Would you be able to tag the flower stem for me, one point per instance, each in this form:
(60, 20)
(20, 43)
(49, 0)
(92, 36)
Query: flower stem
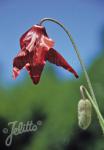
(92, 97)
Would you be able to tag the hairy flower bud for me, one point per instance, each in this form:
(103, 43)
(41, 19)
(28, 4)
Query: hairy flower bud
(84, 113)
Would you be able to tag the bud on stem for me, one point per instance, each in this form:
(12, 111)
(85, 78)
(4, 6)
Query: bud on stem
(84, 113)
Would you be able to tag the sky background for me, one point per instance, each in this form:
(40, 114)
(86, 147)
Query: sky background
(83, 18)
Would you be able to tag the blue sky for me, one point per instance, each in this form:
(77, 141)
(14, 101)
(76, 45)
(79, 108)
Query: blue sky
(83, 18)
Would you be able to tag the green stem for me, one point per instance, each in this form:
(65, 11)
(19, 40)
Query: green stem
(81, 63)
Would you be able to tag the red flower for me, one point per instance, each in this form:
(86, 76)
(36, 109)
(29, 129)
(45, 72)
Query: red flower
(36, 49)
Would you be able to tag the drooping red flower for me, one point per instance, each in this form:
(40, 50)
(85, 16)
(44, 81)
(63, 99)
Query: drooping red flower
(36, 49)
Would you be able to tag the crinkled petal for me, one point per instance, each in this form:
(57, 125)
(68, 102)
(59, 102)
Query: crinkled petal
(34, 35)
(22, 41)
(46, 42)
(54, 57)
(20, 61)
(16, 72)
(35, 72)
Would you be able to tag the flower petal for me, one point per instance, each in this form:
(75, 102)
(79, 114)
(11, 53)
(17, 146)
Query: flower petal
(22, 44)
(54, 57)
(30, 37)
(35, 72)
(46, 42)
(20, 61)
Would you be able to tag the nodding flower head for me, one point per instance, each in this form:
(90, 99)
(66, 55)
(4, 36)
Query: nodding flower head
(36, 49)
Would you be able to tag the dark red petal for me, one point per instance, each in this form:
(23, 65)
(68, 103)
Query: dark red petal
(35, 72)
(20, 61)
(54, 57)
(30, 37)
(22, 38)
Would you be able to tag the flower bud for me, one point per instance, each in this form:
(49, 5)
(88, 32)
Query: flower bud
(84, 113)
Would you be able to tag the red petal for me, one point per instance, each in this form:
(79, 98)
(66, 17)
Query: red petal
(54, 57)
(35, 72)
(22, 38)
(30, 38)
(20, 61)
(16, 72)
